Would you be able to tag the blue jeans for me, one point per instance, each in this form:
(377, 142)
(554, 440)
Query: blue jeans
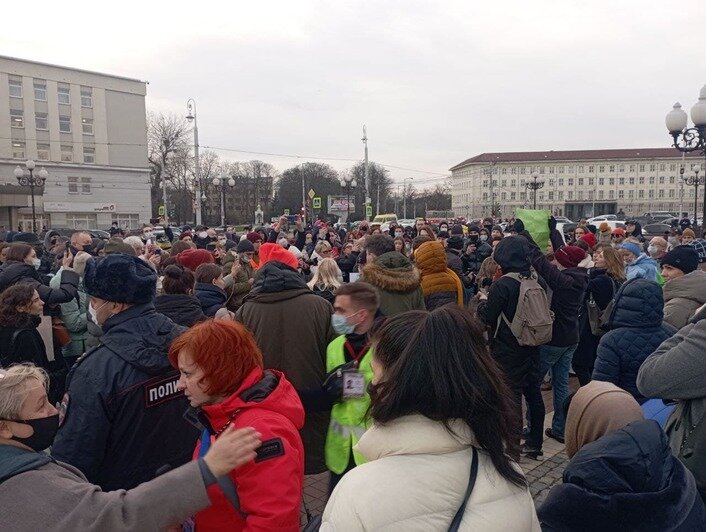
(558, 360)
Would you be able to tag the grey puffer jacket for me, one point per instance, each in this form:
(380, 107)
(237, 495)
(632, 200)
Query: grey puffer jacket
(683, 297)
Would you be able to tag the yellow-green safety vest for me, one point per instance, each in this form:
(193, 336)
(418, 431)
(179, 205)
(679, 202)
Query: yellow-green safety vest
(347, 417)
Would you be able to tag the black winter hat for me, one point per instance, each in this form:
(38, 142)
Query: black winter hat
(455, 242)
(518, 226)
(245, 246)
(121, 278)
(457, 229)
(26, 238)
(230, 244)
(684, 258)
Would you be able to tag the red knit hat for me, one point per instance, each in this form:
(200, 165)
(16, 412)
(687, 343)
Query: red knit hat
(569, 256)
(270, 252)
(254, 237)
(590, 239)
(193, 258)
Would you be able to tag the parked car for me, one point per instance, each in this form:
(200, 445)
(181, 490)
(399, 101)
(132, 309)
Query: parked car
(602, 218)
(67, 232)
(563, 220)
(656, 229)
(659, 215)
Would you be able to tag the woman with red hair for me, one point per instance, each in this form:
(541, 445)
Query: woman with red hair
(222, 376)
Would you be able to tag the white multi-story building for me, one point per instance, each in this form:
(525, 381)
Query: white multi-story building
(576, 184)
(89, 132)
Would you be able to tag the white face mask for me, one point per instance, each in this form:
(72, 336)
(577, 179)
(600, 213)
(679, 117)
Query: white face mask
(93, 312)
(652, 250)
(203, 234)
(148, 236)
(36, 263)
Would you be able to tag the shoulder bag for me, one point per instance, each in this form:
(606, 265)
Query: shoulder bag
(456, 523)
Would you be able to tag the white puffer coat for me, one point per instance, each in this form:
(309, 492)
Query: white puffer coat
(415, 481)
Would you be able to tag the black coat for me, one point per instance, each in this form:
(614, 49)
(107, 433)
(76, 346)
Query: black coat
(124, 415)
(347, 264)
(628, 480)
(182, 309)
(211, 297)
(13, 272)
(472, 261)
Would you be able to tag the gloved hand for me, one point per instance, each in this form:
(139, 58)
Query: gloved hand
(519, 226)
(333, 384)
(552, 223)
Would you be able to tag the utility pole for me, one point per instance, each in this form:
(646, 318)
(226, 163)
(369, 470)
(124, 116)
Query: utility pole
(191, 116)
(301, 169)
(377, 206)
(164, 200)
(367, 173)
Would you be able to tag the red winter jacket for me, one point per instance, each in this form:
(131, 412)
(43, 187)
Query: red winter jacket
(270, 488)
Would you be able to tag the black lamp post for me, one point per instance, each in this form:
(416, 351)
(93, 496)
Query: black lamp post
(690, 139)
(348, 182)
(220, 183)
(29, 179)
(535, 186)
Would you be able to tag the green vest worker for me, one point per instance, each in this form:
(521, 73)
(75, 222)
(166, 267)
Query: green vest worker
(348, 360)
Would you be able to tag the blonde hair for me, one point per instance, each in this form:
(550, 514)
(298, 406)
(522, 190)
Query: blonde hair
(487, 270)
(327, 276)
(615, 267)
(321, 246)
(14, 389)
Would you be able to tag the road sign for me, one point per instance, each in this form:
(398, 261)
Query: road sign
(369, 211)
(317, 203)
(161, 210)
(311, 193)
(286, 212)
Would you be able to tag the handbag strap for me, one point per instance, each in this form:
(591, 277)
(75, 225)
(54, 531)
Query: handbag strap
(471, 482)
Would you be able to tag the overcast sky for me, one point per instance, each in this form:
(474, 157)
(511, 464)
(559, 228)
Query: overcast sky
(435, 82)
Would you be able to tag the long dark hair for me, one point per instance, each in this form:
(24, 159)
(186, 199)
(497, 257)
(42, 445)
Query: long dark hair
(17, 295)
(437, 364)
(177, 280)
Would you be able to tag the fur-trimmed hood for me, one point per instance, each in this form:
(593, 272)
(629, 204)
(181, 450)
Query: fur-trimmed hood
(392, 272)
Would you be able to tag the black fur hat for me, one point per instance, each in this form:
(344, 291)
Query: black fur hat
(121, 278)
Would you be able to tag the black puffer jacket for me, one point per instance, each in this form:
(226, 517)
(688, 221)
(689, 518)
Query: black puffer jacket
(212, 298)
(472, 261)
(628, 480)
(13, 272)
(182, 309)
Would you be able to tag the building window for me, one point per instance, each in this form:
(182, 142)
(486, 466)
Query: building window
(86, 97)
(653, 167)
(641, 180)
(503, 183)
(611, 181)
(64, 124)
(611, 168)
(551, 182)
(662, 167)
(73, 185)
(17, 118)
(671, 193)
(64, 94)
(621, 181)
(513, 183)
(621, 194)
(580, 194)
(661, 180)
(601, 181)
(551, 195)
(560, 170)
(631, 194)
(632, 181)
(67, 154)
(671, 180)
(541, 169)
(570, 195)
(601, 168)
(561, 181)
(580, 181)
(81, 221)
(551, 169)
(18, 149)
(673, 167)
(652, 180)
(85, 185)
(43, 152)
(41, 121)
(590, 181)
(512, 195)
(130, 221)
(89, 155)
(40, 90)
(522, 170)
(571, 181)
(621, 168)
(561, 194)
(87, 126)
(485, 196)
(642, 168)
(661, 193)
(600, 194)
(632, 167)
(503, 196)
(513, 170)
(640, 193)
(590, 169)
(650, 193)
(611, 194)
(485, 183)
(15, 86)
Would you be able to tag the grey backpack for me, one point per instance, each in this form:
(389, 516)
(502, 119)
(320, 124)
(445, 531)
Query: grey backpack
(533, 321)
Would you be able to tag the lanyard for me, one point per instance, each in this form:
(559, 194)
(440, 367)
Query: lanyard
(356, 356)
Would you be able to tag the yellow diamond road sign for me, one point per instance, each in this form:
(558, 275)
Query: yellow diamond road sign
(311, 193)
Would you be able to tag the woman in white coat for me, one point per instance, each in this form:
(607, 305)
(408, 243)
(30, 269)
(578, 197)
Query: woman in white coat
(436, 395)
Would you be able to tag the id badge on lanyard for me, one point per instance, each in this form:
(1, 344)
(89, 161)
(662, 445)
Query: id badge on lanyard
(353, 385)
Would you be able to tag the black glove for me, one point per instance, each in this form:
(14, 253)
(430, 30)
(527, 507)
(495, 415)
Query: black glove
(552, 224)
(333, 384)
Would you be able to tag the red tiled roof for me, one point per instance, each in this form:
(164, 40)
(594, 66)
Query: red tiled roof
(575, 155)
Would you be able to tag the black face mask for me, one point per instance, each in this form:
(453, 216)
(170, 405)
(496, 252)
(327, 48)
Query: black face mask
(473, 238)
(45, 429)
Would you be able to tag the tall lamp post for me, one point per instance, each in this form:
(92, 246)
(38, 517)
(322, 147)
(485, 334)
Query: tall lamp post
(29, 179)
(404, 191)
(695, 181)
(191, 117)
(348, 182)
(220, 183)
(690, 139)
(535, 186)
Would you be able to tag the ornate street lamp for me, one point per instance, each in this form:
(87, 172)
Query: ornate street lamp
(695, 181)
(534, 185)
(29, 179)
(220, 183)
(348, 182)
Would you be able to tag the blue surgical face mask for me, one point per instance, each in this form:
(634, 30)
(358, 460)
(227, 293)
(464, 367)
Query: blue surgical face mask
(340, 324)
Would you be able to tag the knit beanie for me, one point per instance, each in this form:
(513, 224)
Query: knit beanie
(569, 256)
(275, 252)
(700, 246)
(632, 248)
(456, 229)
(455, 242)
(254, 237)
(604, 227)
(193, 258)
(684, 258)
(619, 231)
(116, 245)
(590, 239)
(244, 246)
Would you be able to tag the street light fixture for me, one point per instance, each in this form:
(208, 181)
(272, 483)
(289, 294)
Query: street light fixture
(191, 117)
(404, 191)
(220, 184)
(31, 181)
(695, 181)
(690, 139)
(348, 182)
(535, 186)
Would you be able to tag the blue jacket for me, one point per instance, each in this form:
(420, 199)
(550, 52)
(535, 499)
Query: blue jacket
(628, 480)
(643, 267)
(211, 297)
(122, 416)
(637, 329)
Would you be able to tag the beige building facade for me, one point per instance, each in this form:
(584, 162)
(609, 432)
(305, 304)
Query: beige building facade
(576, 184)
(88, 130)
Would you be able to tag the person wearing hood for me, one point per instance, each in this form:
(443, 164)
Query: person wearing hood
(633, 229)
(604, 234)
(454, 251)
(622, 475)
(122, 416)
(242, 271)
(636, 330)
(222, 376)
(637, 264)
(295, 345)
(520, 364)
(497, 232)
(687, 236)
(440, 284)
(40, 493)
(685, 286)
(177, 300)
(393, 276)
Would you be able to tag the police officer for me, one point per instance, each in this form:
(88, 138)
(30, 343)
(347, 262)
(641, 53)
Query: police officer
(348, 359)
(122, 415)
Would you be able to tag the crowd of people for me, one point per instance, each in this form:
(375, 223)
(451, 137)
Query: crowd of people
(193, 385)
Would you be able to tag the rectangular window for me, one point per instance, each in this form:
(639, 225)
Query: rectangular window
(590, 169)
(650, 193)
(571, 181)
(64, 94)
(485, 183)
(551, 182)
(551, 194)
(73, 185)
(611, 181)
(503, 183)
(632, 181)
(512, 195)
(541, 169)
(18, 149)
(513, 183)
(590, 181)
(87, 126)
(40, 90)
(621, 194)
(631, 194)
(85, 185)
(560, 170)
(89, 155)
(580, 194)
(64, 124)
(621, 168)
(561, 181)
(661, 180)
(632, 167)
(17, 118)
(611, 168)
(611, 194)
(652, 180)
(600, 194)
(601, 181)
(671, 180)
(642, 168)
(580, 169)
(621, 181)
(661, 193)
(522, 170)
(86, 97)
(570, 195)
(662, 167)
(653, 167)
(128, 221)
(503, 196)
(671, 193)
(81, 221)
(67, 154)
(513, 170)
(551, 169)
(580, 181)
(41, 121)
(43, 152)
(15, 86)
(561, 194)
(673, 167)
(601, 168)
(641, 180)
(640, 193)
